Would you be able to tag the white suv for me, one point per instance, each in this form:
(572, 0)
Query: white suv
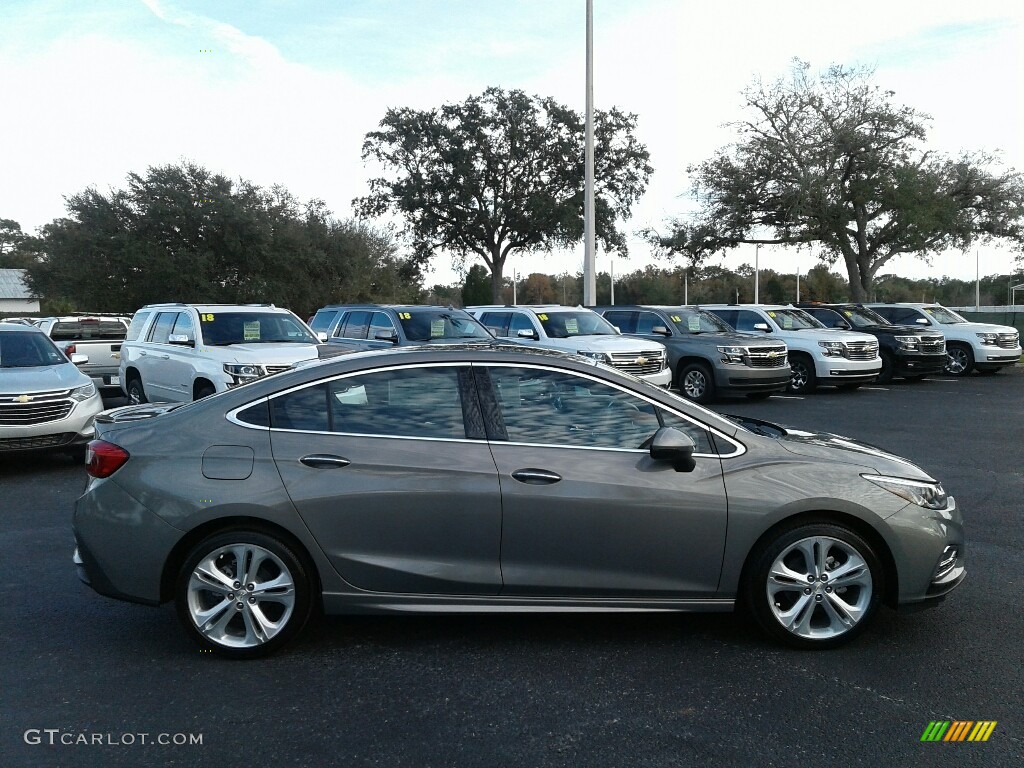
(182, 352)
(577, 331)
(969, 346)
(817, 355)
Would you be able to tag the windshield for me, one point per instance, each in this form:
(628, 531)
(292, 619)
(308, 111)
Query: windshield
(696, 321)
(562, 325)
(31, 349)
(861, 317)
(427, 325)
(793, 319)
(943, 315)
(222, 328)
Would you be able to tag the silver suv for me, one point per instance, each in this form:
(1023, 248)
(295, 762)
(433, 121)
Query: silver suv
(183, 352)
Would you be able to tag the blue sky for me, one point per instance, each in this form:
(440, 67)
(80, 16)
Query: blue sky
(95, 90)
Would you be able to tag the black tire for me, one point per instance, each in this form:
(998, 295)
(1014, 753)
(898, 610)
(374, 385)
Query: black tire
(885, 375)
(235, 630)
(697, 383)
(814, 623)
(205, 390)
(802, 380)
(959, 359)
(136, 393)
(759, 395)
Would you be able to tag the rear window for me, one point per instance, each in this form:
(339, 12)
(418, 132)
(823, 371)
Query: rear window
(89, 330)
(138, 322)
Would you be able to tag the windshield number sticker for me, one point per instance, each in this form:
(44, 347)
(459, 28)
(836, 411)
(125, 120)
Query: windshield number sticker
(542, 316)
(206, 318)
(848, 313)
(251, 331)
(405, 315)
(771, 315)
(676, 318)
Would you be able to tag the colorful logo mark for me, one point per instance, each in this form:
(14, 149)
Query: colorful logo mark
(958, 730)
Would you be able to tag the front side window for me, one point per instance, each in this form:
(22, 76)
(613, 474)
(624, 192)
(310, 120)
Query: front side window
(162, 327)
(563, 325)
(746, 320)
(183, 326)
(28, 350)
(624, 321)
(239, 327)
(496, 322)
(520, 322)
(943, 315)
(411, 402)
(380, 324)
(323, 320)
(546, 407)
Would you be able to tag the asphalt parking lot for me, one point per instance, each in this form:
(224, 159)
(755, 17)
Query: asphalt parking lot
(600, 690)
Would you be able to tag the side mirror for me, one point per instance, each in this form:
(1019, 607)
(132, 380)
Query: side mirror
(669, 444)
(842, 325)
(385, 336)
(923, 321)
(762, 327)
(181, 340)
(525, 334)
(661, 330)
(321, 337)
(79, 359)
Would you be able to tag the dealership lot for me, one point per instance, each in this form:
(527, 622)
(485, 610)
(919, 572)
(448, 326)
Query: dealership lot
(541, 690)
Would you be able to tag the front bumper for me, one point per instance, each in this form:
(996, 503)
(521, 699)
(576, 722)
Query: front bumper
(997, 356)
(928, 547)
(739, 378)
(661, 379)
(74, 429)
(909, 364)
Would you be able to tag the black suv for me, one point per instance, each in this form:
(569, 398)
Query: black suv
(907, 351)
(706, 356)
(379, 326)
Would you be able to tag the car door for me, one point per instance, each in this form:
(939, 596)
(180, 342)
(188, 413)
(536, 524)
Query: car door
(586, 511)
(154, 360)
(179, 367)
(399, 494)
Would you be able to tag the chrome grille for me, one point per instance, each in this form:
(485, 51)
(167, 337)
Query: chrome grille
(37, 408)
(860, 350)
(1008, 340)
(765, 357)
(643, 363)
(933, 345)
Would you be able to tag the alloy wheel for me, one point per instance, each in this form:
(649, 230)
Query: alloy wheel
(695, 384)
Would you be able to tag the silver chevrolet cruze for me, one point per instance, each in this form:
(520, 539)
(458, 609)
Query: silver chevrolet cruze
(493, 478)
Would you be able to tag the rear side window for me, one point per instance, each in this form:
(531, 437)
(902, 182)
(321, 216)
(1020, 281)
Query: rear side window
(137, 324)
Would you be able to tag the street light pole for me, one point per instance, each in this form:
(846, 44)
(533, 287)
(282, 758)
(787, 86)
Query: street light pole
(589, 267)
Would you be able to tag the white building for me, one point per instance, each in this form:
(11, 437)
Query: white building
(15, 296)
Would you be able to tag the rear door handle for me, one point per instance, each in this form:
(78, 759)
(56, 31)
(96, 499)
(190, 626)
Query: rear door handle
(324, 461)
(164, 357)
(532, 476)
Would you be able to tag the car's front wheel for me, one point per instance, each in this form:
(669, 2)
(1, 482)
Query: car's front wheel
(136, 394)
(814, 585)
(802, 379)
(243, 593)
(959, 359)
(697, 383)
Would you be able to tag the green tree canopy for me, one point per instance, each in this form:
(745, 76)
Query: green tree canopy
(476, 289)
(502, 173)
(181, 233)
(833, 160)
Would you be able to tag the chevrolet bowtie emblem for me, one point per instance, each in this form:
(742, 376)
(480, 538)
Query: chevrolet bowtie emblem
(22, 398)
(640, 360)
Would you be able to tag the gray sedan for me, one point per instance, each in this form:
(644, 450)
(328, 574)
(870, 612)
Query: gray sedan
(497, 478)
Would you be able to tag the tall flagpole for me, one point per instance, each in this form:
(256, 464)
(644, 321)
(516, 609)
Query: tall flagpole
(589, 267)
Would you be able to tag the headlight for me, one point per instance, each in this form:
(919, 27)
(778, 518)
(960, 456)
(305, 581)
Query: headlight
(832, 348)
(920, 492)
(989, 338)
(733, 355)
(83, 393)
(909, 343)
(242, 374)
(601, 357)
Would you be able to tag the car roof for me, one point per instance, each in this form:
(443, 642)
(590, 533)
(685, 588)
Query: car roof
(532, 307)
(20, 327)
(218, 307)
(396, 307)
(745, 306)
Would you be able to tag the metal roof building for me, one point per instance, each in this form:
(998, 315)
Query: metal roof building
(15, 295)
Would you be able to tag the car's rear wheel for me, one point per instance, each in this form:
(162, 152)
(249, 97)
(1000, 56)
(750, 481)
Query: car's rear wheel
(802, 379)
(243, 593)
(697, 383)
(814, 585)
(136, 394)
(959, 359)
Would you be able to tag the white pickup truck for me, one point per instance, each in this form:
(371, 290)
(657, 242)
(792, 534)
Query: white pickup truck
(98, 336)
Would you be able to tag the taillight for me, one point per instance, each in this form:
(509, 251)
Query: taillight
(102, 459)
(70, 349)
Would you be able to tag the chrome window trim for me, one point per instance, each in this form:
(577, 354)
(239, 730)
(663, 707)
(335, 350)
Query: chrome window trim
(232, 415)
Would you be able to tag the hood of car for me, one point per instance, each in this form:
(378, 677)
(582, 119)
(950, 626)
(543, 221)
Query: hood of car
(609, 344)
(737, 339)
(825, 334)
(825, 445)
(978, 327)
(20, 381)
(269, 352)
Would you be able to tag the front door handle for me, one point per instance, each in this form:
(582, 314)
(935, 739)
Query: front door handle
(324, 461)
(532, 476)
